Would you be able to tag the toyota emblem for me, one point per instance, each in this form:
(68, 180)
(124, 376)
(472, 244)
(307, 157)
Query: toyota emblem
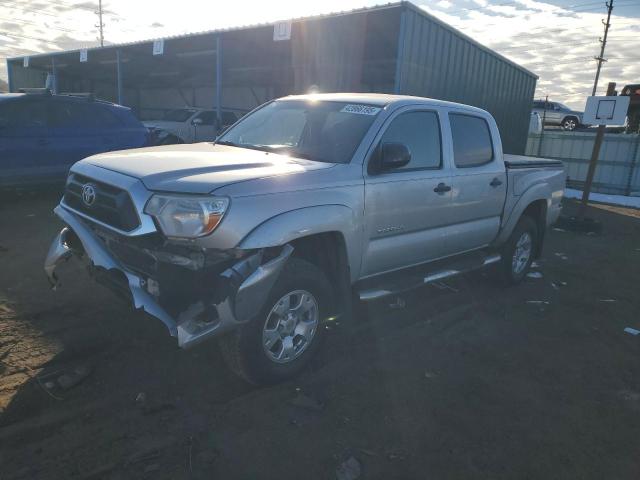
(88, 194)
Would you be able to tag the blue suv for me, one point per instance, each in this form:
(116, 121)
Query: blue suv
(42, 135)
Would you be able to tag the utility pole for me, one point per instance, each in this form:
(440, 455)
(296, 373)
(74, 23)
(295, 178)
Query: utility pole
(603, 42)
(611, 91)
(544, 119)
(600, 134)
(101, 25)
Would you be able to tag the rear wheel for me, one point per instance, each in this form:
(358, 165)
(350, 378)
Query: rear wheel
(570, 124)
(517, 254)
(281, 340)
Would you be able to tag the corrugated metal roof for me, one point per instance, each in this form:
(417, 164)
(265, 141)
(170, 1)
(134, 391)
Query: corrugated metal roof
(405, 4)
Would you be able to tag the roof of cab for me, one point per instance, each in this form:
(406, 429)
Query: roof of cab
(379, 99)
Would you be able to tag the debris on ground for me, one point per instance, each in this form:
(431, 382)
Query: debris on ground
(350, 469)
(430, 374)
(556, 229)
(607, 300)
(141, 398)
(153, 467)
(535, 264)
(66, 380)
(444, 286)
(632, 331)
(534, 275)
(369, 453)
(398, 304)
(537, 302)
(304, 401)
(561, 255)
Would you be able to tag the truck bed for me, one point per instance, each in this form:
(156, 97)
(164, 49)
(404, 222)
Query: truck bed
(521, 161)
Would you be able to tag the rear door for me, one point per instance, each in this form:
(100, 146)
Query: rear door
(407, 209)
(478, 180)
(24, 139)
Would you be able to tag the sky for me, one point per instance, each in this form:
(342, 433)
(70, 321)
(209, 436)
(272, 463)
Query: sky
(556, 39)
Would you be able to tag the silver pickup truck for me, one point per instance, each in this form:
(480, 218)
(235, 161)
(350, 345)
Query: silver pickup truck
(304, 207)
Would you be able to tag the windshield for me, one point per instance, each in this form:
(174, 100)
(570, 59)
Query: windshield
(316, 130)
(179, 115)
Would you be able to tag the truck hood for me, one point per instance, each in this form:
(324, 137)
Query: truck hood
(199, 168)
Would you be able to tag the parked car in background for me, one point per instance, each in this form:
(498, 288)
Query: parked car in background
(190, 125)
(305, 204)
(42, 135)
(557, 114)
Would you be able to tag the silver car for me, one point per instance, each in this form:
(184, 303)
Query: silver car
(557, 114)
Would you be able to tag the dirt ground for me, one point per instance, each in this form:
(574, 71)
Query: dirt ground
(468, 380)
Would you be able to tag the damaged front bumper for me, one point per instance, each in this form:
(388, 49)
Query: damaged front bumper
(248, 282)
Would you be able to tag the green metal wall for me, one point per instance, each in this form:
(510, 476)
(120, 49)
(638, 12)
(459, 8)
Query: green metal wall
(436, 61)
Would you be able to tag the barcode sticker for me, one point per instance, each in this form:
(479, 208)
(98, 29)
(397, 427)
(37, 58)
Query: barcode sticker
(360, 109)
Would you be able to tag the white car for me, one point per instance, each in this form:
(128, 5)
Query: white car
(189, 125)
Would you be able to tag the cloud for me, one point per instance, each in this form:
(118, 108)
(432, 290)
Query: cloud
(557, 43)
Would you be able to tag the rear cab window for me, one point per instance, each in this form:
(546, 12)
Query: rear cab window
(472, 143)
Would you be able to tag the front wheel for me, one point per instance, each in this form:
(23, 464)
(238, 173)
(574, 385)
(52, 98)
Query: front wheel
(517, 254)
(281, 340)
(570, 124)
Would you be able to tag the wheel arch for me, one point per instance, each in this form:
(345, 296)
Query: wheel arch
(535, 204)
(325, 235)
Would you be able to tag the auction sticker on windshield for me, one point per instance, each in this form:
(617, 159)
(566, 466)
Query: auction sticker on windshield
(360, 109)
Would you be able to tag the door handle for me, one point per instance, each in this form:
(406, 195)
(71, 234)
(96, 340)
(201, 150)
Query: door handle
(442, 188)
(496, 182)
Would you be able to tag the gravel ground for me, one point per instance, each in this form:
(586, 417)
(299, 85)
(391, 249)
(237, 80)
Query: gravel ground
(468, 380)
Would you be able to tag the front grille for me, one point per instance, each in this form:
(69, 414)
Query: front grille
(112, 205)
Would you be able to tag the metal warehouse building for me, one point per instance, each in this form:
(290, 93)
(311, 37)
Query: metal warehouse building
(396, 48)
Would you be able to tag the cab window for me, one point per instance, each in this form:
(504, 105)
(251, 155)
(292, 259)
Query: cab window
(471, 138)
(420, 132)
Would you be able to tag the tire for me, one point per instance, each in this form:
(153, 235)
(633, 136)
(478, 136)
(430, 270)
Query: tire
(570, 123)
(513, 271)
(244, 350)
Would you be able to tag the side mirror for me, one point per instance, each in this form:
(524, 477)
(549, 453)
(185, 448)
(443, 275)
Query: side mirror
(196, 121)
(393, 155)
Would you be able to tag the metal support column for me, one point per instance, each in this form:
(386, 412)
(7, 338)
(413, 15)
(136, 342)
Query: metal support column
(219, 79)
(54, 75)
(10, 75)
(400, 55)
(119, 77)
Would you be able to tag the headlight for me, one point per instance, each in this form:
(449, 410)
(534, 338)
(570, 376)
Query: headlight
(185, 216)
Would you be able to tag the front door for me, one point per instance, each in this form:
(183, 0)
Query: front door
(406, 208)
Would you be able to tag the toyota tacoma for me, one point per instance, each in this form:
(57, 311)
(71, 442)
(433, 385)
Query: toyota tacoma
(303, 208)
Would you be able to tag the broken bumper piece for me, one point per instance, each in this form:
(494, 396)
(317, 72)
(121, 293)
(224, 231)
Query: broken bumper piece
(249, 278)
